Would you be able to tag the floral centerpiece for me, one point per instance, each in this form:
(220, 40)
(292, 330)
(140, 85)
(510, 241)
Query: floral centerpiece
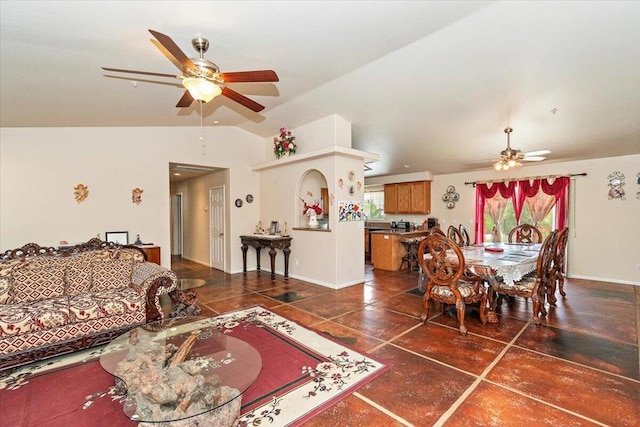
(284, 144)
(312, 212)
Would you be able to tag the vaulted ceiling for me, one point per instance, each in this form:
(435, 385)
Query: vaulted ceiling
(428, 85)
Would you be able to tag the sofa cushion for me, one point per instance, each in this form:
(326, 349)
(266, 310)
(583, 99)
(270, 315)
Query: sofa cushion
(110, 274)
(113, 302)
(38, 280)
(33, 316)
(78, 274)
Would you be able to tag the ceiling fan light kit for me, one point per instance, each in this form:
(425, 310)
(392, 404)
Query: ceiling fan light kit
(202, 78)
(201, 89)
(511, 158)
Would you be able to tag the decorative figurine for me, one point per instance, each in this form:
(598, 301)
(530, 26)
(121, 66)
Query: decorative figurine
(80, 192)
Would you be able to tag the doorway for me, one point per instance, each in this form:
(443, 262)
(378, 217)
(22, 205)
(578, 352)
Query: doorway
(176, 224)
(216, 227)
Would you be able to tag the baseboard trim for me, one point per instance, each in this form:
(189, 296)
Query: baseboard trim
(605, 279)
(197, 261)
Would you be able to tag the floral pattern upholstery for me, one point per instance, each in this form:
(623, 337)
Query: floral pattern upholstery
(47, 299)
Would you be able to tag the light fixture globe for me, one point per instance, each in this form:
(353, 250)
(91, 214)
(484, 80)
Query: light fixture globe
(201, 89)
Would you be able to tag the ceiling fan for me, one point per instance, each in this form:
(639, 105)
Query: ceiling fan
(510, 158)
(202, 78)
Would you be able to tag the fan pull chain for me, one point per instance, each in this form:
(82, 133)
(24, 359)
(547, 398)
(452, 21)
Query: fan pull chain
(202, 143)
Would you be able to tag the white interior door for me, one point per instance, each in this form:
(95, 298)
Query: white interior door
(216, 217)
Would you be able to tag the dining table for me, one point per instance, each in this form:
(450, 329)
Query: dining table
(497, 262)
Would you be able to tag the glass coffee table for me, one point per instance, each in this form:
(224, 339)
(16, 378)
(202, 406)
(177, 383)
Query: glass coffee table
(181, 368)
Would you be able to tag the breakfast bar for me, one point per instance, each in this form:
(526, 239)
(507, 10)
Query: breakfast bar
(387, 249)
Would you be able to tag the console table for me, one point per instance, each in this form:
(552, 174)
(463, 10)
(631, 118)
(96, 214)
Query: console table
(260, 241)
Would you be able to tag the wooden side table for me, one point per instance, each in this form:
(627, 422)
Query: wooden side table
(259, 241)
(152, 252)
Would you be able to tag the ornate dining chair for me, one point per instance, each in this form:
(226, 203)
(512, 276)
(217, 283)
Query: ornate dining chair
(466, 241)
(445, 282)
(525, 233)
(535, 286)
(454, 234)
(437, 231)
(558, 266)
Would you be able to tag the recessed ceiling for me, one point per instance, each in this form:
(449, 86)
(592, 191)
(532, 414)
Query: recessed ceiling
(430, 84)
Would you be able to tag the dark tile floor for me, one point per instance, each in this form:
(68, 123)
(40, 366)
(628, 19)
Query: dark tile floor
(581, 367)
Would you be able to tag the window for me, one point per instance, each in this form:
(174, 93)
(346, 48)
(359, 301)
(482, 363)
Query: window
(509, 222)
(374, 204)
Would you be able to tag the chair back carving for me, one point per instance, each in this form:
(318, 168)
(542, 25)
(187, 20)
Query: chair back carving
(440, 270)
(558, 264)
(466, 241)
(436, 231)
(454, 234)
(525, 233)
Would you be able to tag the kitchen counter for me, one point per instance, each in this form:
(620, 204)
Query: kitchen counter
(399, 232)
(387, 249)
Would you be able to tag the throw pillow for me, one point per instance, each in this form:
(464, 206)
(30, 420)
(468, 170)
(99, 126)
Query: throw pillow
(38, 281)
(111, 274)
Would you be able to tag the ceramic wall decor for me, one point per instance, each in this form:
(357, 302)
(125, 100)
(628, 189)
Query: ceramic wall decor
(616, 182)
(340, 183)
(238, 203)
(450, 197)
(352, 176)
(249, 198)
(136, 195)
(80, 192)
(638, 182)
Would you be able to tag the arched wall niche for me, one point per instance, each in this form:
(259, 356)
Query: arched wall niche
(312, 188)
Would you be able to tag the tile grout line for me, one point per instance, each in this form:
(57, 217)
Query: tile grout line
(449, 412)
(382, 409)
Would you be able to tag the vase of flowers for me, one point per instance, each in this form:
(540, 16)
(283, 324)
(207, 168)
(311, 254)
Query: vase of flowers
(284, 144)
(312, 212)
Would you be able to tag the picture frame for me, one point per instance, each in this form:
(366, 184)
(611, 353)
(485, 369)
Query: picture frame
(117, 237)
(274, 228)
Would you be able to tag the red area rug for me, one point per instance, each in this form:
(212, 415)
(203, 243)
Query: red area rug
(302, 373)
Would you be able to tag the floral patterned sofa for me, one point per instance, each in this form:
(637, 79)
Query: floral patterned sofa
(58, 301)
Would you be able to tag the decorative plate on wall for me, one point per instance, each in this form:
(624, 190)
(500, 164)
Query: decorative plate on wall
(238, 203)
(249, 198)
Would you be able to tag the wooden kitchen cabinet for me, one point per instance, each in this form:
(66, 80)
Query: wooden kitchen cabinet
(408, 197)
(404, 197)
(421, 197)
(390, 198)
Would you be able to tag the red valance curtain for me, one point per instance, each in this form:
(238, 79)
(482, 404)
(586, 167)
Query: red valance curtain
(520, 192)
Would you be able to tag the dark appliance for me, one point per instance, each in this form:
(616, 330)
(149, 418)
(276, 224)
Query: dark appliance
(432, 222)
(403, 226)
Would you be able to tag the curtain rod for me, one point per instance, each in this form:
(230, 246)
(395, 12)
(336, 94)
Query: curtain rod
(522, 179)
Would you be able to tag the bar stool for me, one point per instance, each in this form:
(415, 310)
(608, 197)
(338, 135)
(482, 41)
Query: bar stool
(411, 245)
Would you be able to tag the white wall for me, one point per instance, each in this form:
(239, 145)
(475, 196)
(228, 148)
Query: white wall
(40, 166)
(335, 258)
(604, 243)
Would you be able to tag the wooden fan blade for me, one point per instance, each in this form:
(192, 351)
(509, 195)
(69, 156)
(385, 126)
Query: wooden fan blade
(537, 153)
(250, 76)
(241, 99)
(146, 73)
(173, 49)
(185, 101)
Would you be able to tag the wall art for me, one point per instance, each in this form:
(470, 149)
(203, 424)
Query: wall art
(638, 181)
(616, 182)
(136, 195)
(80, 192)
(450, 197)
(351, 211)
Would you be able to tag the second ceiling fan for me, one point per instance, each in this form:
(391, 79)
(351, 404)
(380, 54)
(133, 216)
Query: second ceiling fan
(511, 157)
(202, 78)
